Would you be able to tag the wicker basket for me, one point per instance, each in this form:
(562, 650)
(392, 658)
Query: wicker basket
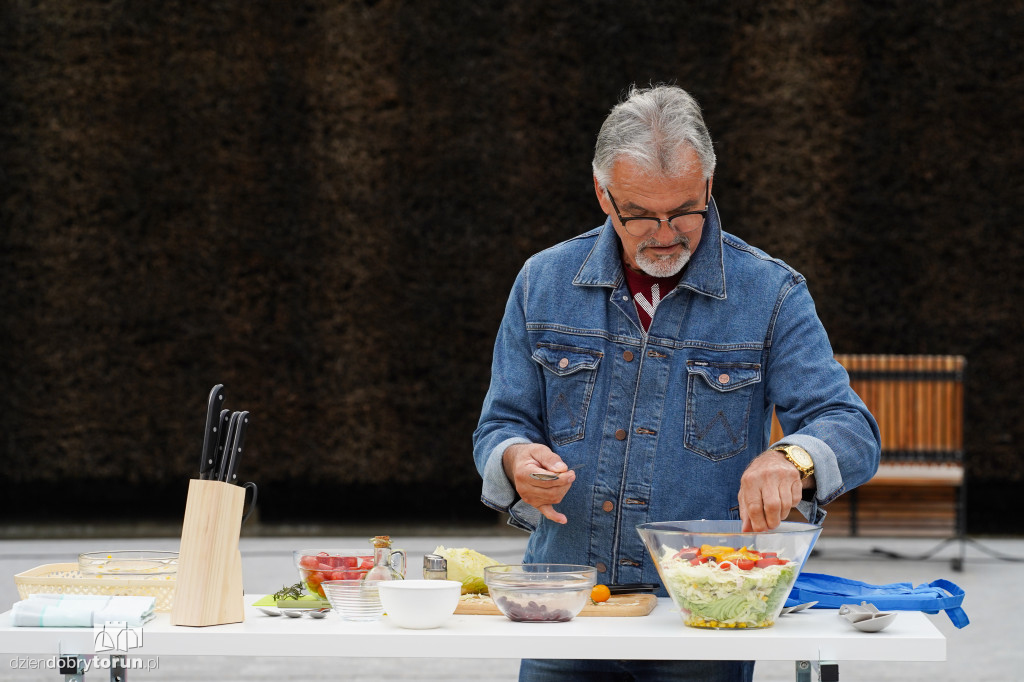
(67, 579)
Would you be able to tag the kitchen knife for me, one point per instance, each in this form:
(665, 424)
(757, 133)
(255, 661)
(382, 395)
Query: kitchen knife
(210, 435)
(229, 438)
(633, 588)
(231, 458)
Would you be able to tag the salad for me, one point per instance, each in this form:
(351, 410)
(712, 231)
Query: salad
(725, 587)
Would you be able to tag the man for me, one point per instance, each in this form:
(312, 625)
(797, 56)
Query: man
(641, 362)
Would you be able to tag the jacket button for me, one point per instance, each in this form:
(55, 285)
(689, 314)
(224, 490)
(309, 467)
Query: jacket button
(723, 378)
(608, 505)
(563, 363)
(601, 568)
(627, 356)
(620, 434)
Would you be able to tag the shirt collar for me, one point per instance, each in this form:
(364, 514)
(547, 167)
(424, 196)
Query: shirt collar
(704, 274)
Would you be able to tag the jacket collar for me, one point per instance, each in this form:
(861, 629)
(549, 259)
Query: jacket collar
(704, 274)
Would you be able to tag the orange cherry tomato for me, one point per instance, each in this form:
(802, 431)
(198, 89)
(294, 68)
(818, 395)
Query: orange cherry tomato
(600, 593)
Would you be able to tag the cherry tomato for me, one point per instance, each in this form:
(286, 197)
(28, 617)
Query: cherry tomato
(687, 553)
(313, 583)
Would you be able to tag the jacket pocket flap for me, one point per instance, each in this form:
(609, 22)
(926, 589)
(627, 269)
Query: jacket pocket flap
(725, 377)
(563, 361)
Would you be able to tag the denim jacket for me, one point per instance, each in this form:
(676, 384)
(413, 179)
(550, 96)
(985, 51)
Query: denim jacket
(661, 423)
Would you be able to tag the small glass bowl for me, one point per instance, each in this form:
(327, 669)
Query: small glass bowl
(355, 600)
(128, 563)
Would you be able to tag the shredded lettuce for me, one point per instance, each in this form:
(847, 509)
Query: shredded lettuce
(709, 596)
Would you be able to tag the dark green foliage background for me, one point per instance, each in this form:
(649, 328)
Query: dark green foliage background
(322, 205)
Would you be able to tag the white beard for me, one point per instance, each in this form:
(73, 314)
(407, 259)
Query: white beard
(662, 266)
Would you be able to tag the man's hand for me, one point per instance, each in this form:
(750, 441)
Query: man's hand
(769, 489)
(523, 459)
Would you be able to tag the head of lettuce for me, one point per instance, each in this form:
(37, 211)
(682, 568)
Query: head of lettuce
(466, 566)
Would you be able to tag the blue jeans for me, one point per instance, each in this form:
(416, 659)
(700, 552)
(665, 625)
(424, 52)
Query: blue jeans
(548, 670)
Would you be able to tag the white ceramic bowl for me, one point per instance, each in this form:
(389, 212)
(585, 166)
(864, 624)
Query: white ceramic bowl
(419, 604)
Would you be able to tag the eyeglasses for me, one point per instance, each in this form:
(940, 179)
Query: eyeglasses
(680, 222)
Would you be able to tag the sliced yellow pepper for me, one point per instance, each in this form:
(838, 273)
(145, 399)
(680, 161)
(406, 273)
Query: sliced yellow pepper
(721, 554)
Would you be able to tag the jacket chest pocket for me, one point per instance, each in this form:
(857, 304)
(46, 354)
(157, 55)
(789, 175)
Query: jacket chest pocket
(569, 377)
(718, 401)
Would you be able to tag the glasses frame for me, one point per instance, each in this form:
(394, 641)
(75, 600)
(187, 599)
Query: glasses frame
(625, 221)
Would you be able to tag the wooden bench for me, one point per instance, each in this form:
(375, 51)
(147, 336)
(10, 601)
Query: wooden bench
(918, 490)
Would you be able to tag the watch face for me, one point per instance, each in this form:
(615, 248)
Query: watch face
(802, 458)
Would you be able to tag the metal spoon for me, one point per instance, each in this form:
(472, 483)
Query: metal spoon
(269, 612)
(550, 476)
(798, 607)
(313, 613)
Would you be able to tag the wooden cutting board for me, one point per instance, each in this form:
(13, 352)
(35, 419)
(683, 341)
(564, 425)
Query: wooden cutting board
(617, 605)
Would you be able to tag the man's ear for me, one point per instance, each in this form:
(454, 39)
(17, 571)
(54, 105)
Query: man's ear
(602, 198)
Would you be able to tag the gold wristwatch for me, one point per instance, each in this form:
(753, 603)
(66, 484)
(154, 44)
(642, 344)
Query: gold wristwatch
(799, 458)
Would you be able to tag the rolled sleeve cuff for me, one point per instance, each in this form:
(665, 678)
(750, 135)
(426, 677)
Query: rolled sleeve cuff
(498, 492)
(828, 479)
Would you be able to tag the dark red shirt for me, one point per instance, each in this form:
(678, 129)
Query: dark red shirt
(648, 291)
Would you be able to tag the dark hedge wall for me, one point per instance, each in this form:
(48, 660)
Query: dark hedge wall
(322, 205)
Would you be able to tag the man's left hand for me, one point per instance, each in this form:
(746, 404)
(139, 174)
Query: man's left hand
(769, 489)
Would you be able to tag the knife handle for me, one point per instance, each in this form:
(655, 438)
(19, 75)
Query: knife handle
(218, 452)
(633, 588)
(229, 437)
(208, 459)
(231, 469)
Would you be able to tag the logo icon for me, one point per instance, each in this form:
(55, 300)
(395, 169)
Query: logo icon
(115, 636)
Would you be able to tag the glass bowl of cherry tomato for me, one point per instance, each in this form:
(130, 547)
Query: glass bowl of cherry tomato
(317, 565)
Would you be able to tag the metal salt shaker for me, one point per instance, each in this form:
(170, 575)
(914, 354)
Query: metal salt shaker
(435, 567)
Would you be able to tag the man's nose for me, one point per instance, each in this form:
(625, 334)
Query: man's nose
(665, 233)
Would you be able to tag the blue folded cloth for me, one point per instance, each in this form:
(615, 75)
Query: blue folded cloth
(81, 610)
(832, 592)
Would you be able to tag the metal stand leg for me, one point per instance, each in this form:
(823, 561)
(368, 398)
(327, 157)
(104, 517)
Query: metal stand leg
(118, 673)
(72, 667)
(828, 671)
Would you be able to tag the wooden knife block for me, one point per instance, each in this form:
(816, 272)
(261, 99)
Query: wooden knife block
(209, 581)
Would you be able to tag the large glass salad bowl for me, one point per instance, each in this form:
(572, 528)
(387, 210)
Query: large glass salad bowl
(721, 578)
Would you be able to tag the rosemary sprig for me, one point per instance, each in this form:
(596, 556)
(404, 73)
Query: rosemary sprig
(293, 591)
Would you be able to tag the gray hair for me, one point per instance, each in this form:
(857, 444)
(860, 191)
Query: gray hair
(650, 127)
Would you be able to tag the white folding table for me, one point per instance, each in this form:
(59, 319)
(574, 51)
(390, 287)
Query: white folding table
(815, 639)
